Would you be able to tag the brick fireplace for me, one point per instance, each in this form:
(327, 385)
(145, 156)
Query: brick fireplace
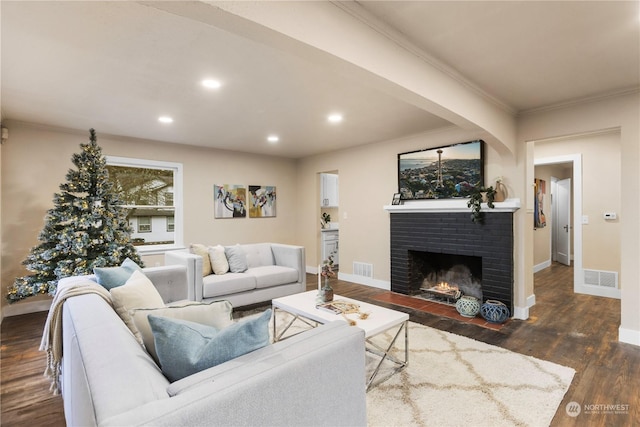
(426, 231)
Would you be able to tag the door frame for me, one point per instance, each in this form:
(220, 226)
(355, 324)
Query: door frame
(576, 188)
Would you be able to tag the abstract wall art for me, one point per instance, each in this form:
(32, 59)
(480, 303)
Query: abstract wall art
(230, 201)
(262, 201)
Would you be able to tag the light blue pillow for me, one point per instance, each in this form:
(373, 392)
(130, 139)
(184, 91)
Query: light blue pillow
(185, 347)
(112, 277)
(237, 258)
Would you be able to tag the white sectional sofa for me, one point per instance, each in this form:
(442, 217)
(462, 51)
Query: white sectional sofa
(273, 270)
(108, 379)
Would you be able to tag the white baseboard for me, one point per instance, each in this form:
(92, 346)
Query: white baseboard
(598, 291)
(542, 266)
(629, 336)
(381, 284)
(311, 269)
(18, 308)
(353, 278)
(522, 313)
(531, 300)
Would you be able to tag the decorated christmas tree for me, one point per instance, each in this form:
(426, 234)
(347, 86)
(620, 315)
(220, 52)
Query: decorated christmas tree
(87, 228)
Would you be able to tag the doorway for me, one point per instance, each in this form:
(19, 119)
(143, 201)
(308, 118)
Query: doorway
(329, 210)
(562, 229)
(565, 245)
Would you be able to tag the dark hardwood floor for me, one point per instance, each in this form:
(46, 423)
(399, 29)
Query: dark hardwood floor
(573, 330)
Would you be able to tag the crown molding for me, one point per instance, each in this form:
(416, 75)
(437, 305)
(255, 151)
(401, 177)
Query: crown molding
(580, 101)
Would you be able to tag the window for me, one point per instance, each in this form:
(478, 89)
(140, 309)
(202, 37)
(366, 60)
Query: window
(151, 192)
(144, 224)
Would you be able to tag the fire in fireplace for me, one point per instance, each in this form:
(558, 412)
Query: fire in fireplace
(445, 277)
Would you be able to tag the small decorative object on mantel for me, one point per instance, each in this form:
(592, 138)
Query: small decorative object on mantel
(468, 306)
(478, 196)
(494, 311)
(397, 199)
(501, 191)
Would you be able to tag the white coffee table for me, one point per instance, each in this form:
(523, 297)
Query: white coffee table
(302, 307)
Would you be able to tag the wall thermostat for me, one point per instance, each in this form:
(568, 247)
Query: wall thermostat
(610, 215)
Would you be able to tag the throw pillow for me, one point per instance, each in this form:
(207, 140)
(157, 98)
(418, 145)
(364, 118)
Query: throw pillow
(203, 251)
(111, 277)
(185, 348)
(216, 314)
(219, 263)
(137, 292)
(237, 258)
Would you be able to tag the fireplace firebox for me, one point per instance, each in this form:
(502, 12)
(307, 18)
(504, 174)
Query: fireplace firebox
(430, 245)
(445, 277)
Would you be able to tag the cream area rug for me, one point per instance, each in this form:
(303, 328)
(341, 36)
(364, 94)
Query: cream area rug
(456, 381)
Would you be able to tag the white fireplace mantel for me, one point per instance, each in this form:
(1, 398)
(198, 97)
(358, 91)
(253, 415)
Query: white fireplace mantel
(449, 205)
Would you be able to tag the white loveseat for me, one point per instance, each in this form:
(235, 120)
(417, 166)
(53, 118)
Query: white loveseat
(273, 270)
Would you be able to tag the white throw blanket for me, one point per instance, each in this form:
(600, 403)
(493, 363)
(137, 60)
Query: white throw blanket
(52, 334)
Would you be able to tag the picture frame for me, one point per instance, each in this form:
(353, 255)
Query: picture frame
(262, 201)
(447, 172)
(397, 199)
(229, 201)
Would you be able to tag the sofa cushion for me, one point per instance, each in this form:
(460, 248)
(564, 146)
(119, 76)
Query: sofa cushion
(226, 284)
(110, 277)
(185, 348)
(203, 251)
(237, 258)
(258, 254)
(138, 292)
(219, 263)
(273, 275)
(216, 314)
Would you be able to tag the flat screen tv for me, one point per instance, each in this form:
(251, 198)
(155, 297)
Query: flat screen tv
(445, 172)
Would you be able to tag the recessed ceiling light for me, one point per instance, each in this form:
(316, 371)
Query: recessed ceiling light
(165, 119)
(273, 139)
(334, 118)
(211, 83)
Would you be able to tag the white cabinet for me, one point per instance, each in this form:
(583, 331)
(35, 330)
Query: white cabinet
(330, 245)
(329, 190)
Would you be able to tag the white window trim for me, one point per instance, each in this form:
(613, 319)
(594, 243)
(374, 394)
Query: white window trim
(178, 236)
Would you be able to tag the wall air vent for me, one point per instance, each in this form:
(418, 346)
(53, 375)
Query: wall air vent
(363, 269)
(608, 279)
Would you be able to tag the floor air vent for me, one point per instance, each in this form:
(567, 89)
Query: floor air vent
(607, 279)
(363, 269)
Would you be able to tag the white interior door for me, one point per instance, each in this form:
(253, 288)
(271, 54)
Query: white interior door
(562, 229)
